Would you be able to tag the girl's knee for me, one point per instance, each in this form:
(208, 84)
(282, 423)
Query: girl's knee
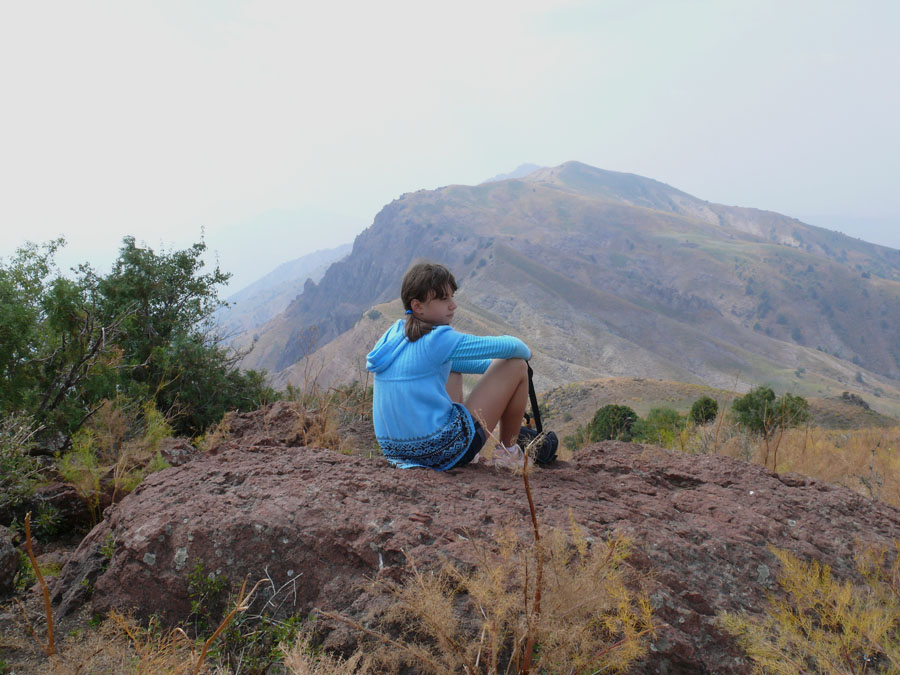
(521, 366)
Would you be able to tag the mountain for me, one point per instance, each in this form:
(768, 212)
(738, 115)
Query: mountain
(520, 172)
(268, 296)
(612, 274)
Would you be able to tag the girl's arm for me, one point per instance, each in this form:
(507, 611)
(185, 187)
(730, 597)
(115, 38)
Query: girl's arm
(477, 366)
(479, 348)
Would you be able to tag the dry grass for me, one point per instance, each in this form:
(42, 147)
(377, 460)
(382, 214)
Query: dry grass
(827, 625)
(301, 658)
(120, 645)
(325, 416)
(496, 617)
(864, 460)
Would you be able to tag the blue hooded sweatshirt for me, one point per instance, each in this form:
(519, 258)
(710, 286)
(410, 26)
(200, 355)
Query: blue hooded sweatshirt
(415, 421)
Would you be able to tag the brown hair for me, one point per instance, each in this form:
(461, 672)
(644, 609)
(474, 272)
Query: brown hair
(422, 282)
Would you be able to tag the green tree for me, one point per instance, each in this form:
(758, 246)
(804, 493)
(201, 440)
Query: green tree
(761, 412)
(704, 410)
(170, 348)
(55, 348)
(612, 422)
(144, 331)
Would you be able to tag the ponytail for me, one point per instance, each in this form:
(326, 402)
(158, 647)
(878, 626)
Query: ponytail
(416, 328)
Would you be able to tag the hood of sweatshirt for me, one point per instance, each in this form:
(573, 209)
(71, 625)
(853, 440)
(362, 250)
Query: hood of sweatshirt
(387, 348)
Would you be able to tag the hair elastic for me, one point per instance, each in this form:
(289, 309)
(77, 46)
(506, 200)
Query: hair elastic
(409, 311)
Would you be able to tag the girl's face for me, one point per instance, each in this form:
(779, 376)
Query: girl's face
(436, 310)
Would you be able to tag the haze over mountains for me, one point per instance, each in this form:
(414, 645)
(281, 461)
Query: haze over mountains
(604, 274)
(269, 295)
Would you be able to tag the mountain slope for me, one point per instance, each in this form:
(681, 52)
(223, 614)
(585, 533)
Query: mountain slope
(270, 295)
(614, 274)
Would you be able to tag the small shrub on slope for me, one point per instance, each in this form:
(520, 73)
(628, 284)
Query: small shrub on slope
(761, 412)
(704, 410)
(612, 422)
(827, 625)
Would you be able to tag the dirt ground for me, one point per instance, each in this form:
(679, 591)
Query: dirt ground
(20, 651)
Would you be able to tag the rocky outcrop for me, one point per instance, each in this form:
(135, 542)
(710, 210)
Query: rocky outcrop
(319, 523)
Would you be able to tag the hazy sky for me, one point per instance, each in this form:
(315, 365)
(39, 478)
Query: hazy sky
(283, 127)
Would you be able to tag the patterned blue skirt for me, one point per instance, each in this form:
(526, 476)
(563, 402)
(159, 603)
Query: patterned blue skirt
(439, 451)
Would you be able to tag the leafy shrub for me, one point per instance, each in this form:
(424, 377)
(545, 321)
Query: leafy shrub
(612, 422)
(18, 470)
(704, 410)
(81, 467)
(660, 427)
(115, 451)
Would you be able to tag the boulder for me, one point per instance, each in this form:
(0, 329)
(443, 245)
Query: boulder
(320, 524)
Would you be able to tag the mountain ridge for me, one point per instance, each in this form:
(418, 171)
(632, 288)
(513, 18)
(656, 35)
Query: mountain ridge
(268, 296)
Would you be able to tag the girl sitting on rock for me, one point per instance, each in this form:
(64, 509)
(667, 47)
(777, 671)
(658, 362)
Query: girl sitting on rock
(419, 415)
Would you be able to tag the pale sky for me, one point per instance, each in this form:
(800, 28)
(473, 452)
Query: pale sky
(282, 127)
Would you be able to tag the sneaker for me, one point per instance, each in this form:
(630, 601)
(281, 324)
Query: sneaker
(510, 458)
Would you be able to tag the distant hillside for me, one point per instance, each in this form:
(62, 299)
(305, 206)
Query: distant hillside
(566, 407)
(610, 274)
(520, 172)
(270, 295)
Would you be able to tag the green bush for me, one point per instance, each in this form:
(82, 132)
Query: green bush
(704, 410)
(660, 427)
(612, 422)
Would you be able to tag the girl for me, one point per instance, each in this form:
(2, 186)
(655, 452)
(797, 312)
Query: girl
(418, 410)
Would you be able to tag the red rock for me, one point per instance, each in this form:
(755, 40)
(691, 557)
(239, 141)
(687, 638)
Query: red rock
(177, 451)
(700, 527)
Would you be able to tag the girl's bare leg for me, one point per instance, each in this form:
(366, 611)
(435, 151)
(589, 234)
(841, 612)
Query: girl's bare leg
(454, 387)
(501, 396)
